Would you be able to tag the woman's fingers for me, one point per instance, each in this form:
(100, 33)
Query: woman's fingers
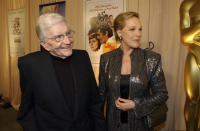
(124, 104)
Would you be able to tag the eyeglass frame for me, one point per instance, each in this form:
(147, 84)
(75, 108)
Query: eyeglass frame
(61, 37)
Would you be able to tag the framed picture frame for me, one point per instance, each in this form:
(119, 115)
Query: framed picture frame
(57, 7)
(98, 16)
(16, 30)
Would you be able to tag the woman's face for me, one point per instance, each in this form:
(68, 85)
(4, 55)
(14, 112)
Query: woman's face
(131, 33)
(94, 45)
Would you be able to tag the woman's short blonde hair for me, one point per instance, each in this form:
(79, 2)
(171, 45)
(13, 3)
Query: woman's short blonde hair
(119, 21)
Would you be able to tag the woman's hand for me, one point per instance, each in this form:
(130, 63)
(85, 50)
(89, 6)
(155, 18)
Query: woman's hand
(124, 104)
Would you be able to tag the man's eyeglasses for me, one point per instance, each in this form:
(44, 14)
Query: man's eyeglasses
(61, 37)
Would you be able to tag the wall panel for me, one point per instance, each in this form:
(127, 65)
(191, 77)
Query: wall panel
(75, 17)
(4, 51)
(155, 22)
(132, 5)
(143, 10)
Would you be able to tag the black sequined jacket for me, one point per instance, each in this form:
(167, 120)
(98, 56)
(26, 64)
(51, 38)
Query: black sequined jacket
(146, 74)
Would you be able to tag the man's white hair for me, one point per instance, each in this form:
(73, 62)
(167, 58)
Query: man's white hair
(48, 20)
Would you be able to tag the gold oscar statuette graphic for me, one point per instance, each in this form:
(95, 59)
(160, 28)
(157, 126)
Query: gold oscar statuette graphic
(190, 36)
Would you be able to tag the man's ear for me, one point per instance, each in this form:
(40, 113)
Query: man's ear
(45, 45)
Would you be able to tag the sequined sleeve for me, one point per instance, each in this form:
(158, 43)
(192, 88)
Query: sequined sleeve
(158, 86)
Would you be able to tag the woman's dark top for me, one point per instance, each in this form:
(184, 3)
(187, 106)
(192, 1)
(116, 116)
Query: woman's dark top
(64, 75)
(124, 92)
(146, 68)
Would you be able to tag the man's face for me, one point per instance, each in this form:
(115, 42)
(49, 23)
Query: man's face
(59, 40)
(101, 37)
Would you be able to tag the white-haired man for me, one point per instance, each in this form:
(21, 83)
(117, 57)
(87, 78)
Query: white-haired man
(59, 91)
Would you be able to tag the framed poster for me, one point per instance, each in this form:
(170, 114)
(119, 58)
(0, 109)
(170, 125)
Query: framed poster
(16, 30)
(57, 7)
(98, 19)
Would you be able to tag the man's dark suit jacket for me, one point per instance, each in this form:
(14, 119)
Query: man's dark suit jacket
(43, 107)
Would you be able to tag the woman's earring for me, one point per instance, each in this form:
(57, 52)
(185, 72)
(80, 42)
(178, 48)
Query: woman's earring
(120, 38)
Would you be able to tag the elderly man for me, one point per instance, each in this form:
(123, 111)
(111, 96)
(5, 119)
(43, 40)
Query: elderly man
(59, 91)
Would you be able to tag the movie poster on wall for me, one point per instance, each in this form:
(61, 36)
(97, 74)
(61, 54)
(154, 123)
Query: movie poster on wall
(16, 29)
(99, 16)
(57, 7)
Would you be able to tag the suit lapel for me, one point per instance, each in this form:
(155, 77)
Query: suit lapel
(74, 67)
(115, 68)
(138, 77)
(52, 81)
